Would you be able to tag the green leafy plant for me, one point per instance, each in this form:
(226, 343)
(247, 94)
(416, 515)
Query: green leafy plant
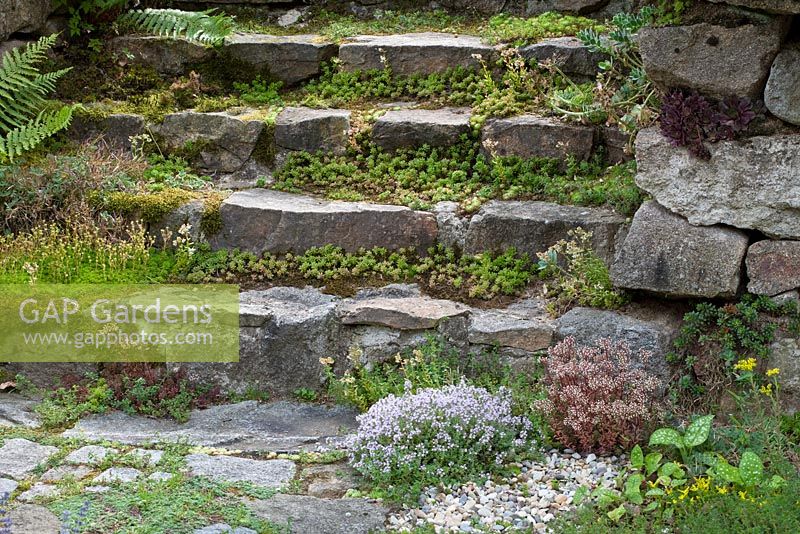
(26, 119)
(576, 276)
(623, 94)
(205, 27)
(306, 394)
(696, 434)
(84, 14)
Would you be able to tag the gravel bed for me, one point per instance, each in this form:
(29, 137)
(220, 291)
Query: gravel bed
(526, 502)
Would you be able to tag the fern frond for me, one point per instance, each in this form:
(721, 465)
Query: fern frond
(19, 140)
(204, 27)
(22, 87)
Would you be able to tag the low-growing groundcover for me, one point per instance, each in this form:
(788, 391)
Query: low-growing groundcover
(437, 437)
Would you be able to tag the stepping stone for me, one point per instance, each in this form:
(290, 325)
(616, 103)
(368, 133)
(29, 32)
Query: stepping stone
(18, 411)
(7, 485)
(569, 54)
(227, 140)
(118, 474)
(530, 329)
(750, 184)
(152, 457)
(264, 473)
(249, 425)
(312, 130)
(411, 313)
(261, 220)
(414, 53)
(19, 457)
(288, 58)
(329, 480)
(665, 255)
(96, 489)
(530, 136)
(222, 528)
(412, 128)
(34, 519)
(309, 515)
(37, 491)
(65, 471)
(160, 476)
(89, 455)
(533, 227)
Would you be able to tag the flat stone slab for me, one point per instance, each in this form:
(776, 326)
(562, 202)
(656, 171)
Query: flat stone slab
(171, 57)
(410, 128)
(18, 411)
(533, 227)
(666, 255)
(227, 140)
(748, 184)
(90, 455)
(312, 130)
(75, 472)
(527, 328)
(531, 136)
(122, 475)
(249, 425)
(19, 457)
(410, 313)
(34, 519)
(150, 457)
(414, 53)
(288, 58)
(264, 473)
(261, 221)
(160, 476)
(773, 267)
(7, 485)
(310, 515)
(569, 54)
(38, 491)
(224, 528)
(715, 60)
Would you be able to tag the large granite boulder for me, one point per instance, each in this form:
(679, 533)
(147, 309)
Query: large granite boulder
(225, 141)
(665, 255)
(312, 130)
(782, 93)
(410, 128)
(785, 7)
(654, 335)
(748, 184)
(290, 58)
(533, 227)
(773, 267)
(715, 60)
(284, 332)
(116, 129)
(261, 220)
(529, 136)
(524, 326)
(25, 16)
(413, 53)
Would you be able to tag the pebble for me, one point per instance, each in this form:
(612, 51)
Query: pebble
(525, 502)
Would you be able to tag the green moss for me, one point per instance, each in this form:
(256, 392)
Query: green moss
(149, 207)
(211, 220)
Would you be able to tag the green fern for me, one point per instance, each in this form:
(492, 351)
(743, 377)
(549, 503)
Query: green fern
(25, 120)
(202, 27)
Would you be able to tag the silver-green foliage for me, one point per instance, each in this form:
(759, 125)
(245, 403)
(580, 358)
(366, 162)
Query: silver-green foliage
(26, 119)
(204, 27)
